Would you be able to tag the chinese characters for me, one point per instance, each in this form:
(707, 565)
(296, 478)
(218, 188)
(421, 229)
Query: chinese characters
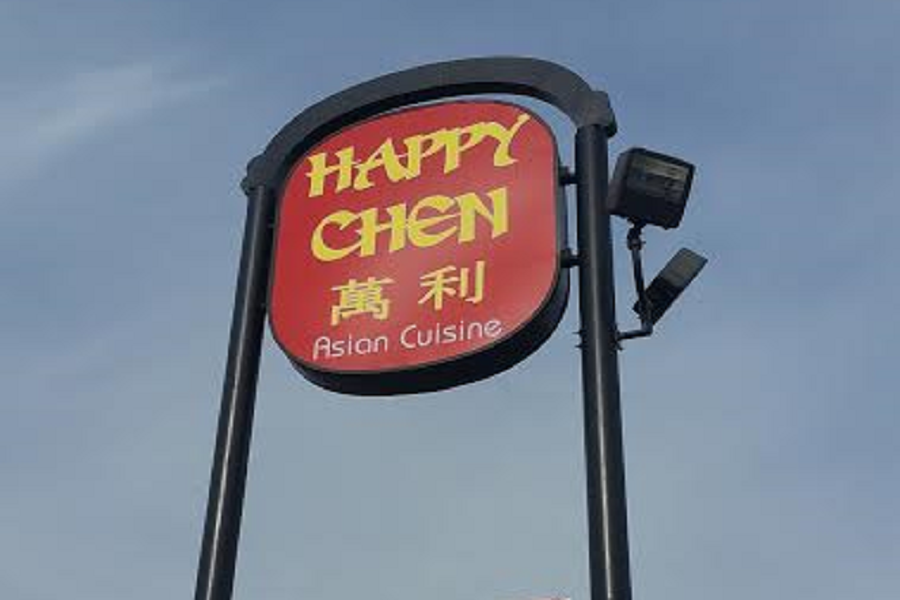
(360, 298)
(368, 297)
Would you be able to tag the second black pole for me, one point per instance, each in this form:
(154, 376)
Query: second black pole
(606, 506)
(218, 555)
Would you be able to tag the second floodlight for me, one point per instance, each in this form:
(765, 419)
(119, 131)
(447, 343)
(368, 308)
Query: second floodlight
(674, 278)
(650, 188)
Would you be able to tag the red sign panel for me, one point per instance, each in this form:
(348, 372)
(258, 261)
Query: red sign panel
(415, 239)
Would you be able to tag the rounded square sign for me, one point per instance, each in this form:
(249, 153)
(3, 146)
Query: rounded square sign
(420, 249)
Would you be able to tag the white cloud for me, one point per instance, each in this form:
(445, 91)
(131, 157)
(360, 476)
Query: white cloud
(41, 122)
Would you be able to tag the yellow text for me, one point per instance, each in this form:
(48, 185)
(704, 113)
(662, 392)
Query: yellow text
(429, 222)
(402, 161)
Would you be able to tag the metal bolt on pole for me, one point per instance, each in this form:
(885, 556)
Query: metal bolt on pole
(606, 505)
(215, 574)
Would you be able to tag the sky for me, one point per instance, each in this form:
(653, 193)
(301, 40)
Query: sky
(760, 435)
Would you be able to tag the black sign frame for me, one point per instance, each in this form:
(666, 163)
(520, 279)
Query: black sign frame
(590, 112)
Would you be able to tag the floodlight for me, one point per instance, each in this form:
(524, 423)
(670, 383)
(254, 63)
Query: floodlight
(650, 188)
(678, 273)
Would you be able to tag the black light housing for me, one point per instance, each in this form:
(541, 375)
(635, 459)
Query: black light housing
(678, 273)
(650, 188)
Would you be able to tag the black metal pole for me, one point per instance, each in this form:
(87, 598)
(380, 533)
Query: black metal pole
(215, 575)
(606, 507)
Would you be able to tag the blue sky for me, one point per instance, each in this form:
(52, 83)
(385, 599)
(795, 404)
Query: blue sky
(760, 421)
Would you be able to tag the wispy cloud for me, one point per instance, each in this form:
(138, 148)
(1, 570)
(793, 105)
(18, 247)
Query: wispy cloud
(38, 123)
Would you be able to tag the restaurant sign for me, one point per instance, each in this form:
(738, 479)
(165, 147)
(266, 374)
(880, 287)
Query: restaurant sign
(420, 249)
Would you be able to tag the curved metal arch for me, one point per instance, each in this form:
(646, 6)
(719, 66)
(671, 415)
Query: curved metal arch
(536, 78)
